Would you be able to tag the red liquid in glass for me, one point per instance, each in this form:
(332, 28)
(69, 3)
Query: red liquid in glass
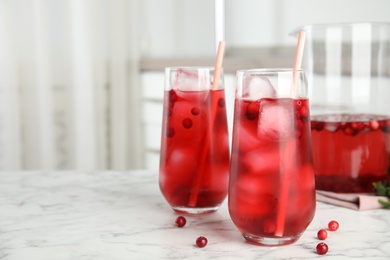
(194, 162)
(269, 177)
(350, 152)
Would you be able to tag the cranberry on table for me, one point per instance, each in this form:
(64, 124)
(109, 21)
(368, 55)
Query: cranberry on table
(333, 225)
(201, 241)
(181, 221)
(322, 234)
(322, 248)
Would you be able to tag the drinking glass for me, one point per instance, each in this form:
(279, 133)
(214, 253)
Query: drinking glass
(195, 156)
(271, 186)
(348, 69)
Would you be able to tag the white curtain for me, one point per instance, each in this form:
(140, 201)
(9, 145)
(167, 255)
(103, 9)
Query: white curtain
(69, 93)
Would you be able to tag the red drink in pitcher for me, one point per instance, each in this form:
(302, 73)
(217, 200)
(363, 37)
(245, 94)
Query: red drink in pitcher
(194, 162)
(350, 152)
(271, 192)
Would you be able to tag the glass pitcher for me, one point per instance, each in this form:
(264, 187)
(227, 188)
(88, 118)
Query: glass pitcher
(348, 71)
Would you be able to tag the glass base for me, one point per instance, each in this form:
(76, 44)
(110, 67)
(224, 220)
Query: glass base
(195, 211)
(270, 241)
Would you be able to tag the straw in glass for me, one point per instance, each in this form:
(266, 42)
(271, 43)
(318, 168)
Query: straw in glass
(289, 150)
(198, 178)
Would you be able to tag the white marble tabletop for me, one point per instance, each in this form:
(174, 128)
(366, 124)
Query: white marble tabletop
(122, 215)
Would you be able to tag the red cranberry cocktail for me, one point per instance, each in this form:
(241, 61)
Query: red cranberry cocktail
(194, 159)
(271, 190)
(350, 151)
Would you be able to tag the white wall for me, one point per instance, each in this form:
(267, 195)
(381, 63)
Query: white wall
(176, 27)
(186, 27)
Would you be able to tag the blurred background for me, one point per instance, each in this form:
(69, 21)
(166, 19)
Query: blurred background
(81, 81)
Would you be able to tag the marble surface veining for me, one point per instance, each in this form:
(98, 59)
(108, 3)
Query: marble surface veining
(122, 215)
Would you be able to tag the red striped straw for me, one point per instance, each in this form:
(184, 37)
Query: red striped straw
(217, 73)
(218, 65)
(290, 148)
(298, 62)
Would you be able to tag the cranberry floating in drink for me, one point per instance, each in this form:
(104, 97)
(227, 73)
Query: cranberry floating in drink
(194, 159)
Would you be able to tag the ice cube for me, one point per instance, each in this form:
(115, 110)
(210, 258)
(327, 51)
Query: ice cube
(276, 119)
(257, 87)
(179, 168)
(255, 195)
(262, 161)
(192, 80)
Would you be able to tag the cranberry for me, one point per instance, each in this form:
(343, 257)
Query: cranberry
(172, 96)
(350, 131)
(317, 125)
(298, 127)
(343, 125)
(360, 126)
(322, 234)
(252, 110)
(298, 133)
(333, 225)
(374, 125)
(187, 123)
(195, 111)
(181, 221)
(298, 124)
(221, 102)
(201, 241)
(385, 126)
(297, 114)
(304, 112)
(322, 248)
(170, 132)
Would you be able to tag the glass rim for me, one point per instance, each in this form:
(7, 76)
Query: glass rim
(191, 67)
(269, 70)
(346, 24)
(338, 25)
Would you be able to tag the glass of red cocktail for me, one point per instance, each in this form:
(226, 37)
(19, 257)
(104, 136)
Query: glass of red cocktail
(271, 186)
(194, 158)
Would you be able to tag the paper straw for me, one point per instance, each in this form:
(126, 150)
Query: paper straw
(290, 148)
(298, 62)
(289, 164)
(198, 178)
(218, 65)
